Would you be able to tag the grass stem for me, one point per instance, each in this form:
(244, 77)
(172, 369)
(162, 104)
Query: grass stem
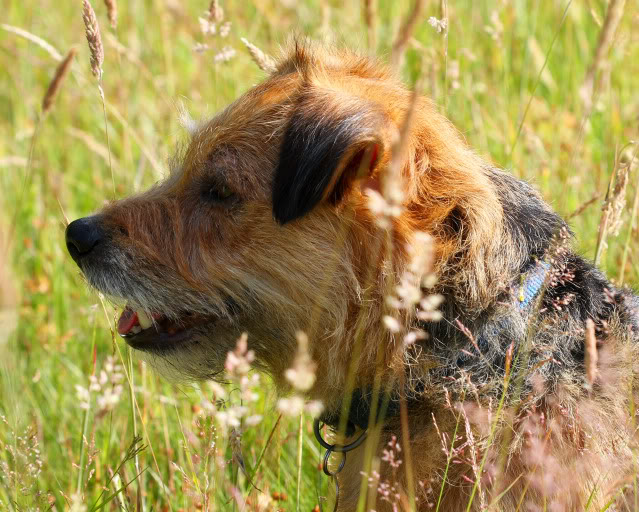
(538, 81)
(300, 445)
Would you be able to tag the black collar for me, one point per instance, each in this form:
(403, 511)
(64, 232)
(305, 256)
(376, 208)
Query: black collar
(360, 409)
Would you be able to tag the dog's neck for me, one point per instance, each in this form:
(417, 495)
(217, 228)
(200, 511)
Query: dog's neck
(367, 406)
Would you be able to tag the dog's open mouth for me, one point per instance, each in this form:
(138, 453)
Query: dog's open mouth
(145, 331)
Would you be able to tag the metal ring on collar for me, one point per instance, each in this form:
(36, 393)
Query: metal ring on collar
(327, 456)
(337, 447)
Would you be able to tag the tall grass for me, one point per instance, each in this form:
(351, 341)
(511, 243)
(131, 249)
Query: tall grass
(509, 74)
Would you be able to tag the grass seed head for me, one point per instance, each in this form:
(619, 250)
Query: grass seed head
(61, 73)
(264, 61)
(92, 31)
(112, 12)
(216, 13)
(225, 54)
(617, 202)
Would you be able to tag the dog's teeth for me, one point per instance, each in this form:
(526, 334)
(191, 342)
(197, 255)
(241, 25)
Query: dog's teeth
(144, 319)
(136, 329)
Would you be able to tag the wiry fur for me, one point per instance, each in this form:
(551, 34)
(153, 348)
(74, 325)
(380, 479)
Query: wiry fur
(297, 247)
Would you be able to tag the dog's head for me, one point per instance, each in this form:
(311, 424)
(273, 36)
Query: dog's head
(264, 224)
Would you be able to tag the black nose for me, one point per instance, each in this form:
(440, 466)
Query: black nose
(82, 236)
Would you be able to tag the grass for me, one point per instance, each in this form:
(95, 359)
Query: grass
(508, 74)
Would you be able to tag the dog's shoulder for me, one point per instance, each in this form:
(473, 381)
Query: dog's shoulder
(569, 290)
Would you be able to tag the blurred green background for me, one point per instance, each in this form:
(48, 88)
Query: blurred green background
(483, 71)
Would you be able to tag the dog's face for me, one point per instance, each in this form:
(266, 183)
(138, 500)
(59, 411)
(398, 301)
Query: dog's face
(264, 224)
(258, 228)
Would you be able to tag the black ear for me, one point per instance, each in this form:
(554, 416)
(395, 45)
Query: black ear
(330, 141)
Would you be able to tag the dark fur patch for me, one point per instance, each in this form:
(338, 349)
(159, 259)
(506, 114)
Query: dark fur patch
(577, 292)
(528, 218)
(316, 141)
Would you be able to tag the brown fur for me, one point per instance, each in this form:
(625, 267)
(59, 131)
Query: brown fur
(327, 273)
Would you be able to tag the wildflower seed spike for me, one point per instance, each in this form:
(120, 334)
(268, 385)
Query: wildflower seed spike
(112, 12)
(54, 87)
(92, 31)
(263, 61)
(216, 13)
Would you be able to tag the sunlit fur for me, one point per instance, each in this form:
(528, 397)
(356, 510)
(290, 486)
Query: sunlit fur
(327, 271)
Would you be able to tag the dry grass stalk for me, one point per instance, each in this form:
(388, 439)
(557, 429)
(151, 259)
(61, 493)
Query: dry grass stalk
(8, 316)
(112, 12)
(12, 160)
(392, 180)
(618, 201)
(405, 33)
(370, 17)
(631, 162)
(613, 206)
(401, 145)
(265, 62)
(34, 39)
(606, 38)
(216, 13)
(325, 23)
(92, 31)
(509, 360)
(581, 208)
(591, 355)
(90, 142)
(61, 73)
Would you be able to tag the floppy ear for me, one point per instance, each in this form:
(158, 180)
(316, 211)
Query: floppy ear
(332, 139)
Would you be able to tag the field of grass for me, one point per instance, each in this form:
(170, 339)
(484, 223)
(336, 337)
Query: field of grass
(72, 397)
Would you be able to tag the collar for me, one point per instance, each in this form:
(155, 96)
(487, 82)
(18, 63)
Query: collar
(530, 284)
(359, 412)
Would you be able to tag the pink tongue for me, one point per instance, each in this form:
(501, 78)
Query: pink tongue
(128, 319)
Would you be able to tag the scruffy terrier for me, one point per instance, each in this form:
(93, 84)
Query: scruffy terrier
(503, 363)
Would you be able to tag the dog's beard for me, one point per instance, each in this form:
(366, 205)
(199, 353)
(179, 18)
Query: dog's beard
(186, 333)
(204, 357)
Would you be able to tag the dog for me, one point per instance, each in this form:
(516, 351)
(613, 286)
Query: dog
(300, 207)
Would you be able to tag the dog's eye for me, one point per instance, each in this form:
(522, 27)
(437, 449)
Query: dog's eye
(218, 193)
